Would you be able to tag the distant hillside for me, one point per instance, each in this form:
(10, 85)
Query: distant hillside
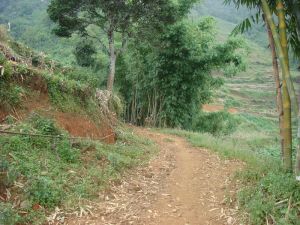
(229, 16)
(30, 24)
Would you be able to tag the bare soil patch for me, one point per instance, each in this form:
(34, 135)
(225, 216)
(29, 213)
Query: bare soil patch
(77, 125)
(217, 108)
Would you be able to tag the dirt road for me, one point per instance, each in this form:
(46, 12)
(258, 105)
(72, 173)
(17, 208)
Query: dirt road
(183, 185)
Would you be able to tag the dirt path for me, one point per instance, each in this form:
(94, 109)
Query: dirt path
(182, 186)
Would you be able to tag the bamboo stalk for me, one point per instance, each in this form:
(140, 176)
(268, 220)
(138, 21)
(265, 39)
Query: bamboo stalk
(287, 117)
(276, 76)
(285, 68)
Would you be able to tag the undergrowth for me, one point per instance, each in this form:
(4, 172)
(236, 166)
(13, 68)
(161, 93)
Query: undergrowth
(216, 123)
(44, 173)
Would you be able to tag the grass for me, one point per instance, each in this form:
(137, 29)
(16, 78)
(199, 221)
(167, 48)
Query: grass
(58, 173)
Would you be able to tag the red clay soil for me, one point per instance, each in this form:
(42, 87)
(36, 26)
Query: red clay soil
(81, 126)
(77, 125)
(217, 108)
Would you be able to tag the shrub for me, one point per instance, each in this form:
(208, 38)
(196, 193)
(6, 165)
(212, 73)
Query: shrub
(8, 70)
(10, 95)
(119, 162)
(66, 152)
(8, 175)
(216, 123)
(44, 125)
(37, 60)
(8, 216)
(43, 192)
(2, 58)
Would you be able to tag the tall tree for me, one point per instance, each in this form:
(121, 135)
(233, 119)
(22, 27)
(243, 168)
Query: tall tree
(115, 19)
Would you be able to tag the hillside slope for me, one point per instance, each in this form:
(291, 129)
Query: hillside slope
(59, 144)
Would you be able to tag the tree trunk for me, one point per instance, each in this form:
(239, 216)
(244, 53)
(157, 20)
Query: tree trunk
(287, 117)
(278, 88)
(112, 60)
(285, 68)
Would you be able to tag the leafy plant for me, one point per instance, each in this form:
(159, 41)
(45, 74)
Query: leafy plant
(171, 76)
(43, 191)
(44, 125)
(275, 196)
(8, 215)
(216, 123)
(67, 152)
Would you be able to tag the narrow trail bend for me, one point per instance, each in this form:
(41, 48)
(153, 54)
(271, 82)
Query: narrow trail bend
(183, 185)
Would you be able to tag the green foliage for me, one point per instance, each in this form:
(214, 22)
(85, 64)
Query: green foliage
(116, 105)
(275, 196)
(267, 191)
(66, 152)
(35, 30)
(8, 215)
(8, 174)
(84, 53)
(44, 125)
(8, 70)
(55, 173)
(225, 12)
(2, 58)
(21, 49)
(10, 95)
(85, 76)
(43, 191)
(114, 16)
(216, 123)
(171, 76)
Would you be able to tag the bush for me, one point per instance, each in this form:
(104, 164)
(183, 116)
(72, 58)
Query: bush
(8, 216)
(10, 95)
(42, 191)
(270, 198)
(8, 174)
(66, 152)
(8, 70)
(217, 123)
(44, 125)
(37, 60)
(119, 162)
(2, 58)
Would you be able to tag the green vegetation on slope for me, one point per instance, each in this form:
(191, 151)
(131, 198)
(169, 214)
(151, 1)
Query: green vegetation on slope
(39, 173)
(58, 172)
